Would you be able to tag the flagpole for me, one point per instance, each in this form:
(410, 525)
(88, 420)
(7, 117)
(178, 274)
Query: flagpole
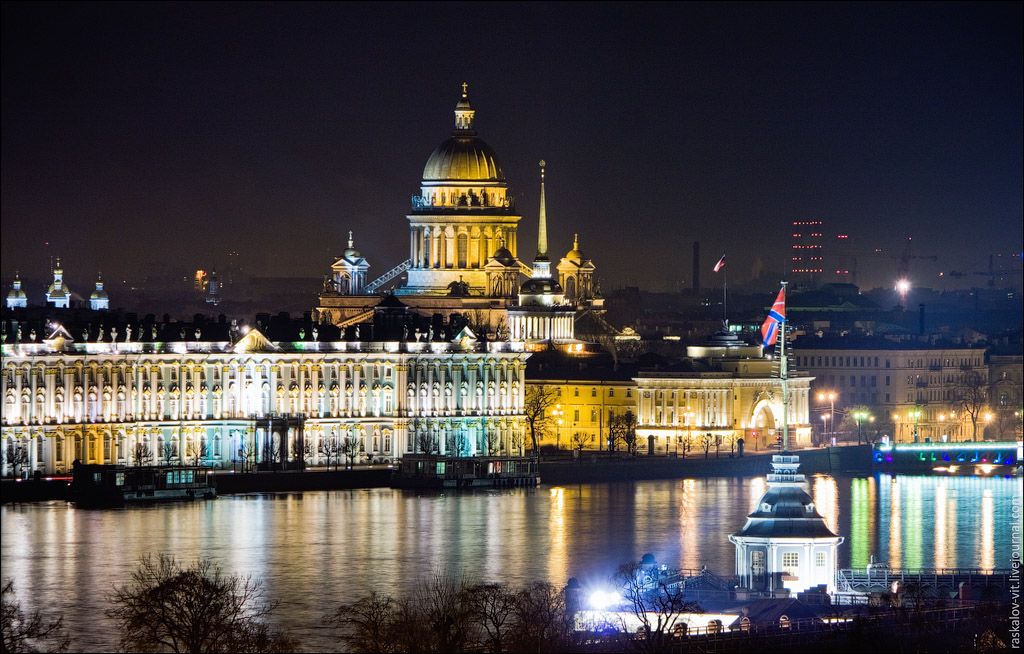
(783, 377)
(725, 296)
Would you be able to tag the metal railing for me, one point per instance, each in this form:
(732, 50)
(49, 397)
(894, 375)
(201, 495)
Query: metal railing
(881, 577)
(388, 276)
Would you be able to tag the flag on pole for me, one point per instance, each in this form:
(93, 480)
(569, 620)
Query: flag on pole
(770, 328)
(720, 264)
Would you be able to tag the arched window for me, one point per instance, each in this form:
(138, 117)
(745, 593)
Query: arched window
(784, 622)
(570, 288)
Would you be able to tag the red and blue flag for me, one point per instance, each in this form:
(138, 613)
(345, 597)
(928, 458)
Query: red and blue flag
(777, 315)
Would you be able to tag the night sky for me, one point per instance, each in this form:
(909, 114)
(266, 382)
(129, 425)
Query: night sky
(156, 138)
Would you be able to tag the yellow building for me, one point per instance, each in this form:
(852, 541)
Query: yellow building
(726, 390)
(582, 410)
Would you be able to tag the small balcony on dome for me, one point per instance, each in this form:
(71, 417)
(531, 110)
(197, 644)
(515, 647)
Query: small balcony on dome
(460, 202)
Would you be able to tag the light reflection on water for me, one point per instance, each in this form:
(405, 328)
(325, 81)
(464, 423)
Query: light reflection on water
(315, 550)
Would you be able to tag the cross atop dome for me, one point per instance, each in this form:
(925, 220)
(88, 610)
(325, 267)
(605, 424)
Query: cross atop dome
(464, 112)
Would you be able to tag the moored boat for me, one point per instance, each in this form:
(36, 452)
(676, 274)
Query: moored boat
(117, 485)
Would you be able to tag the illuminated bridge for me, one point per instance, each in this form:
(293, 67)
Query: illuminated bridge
(981, 458)
(932, 582)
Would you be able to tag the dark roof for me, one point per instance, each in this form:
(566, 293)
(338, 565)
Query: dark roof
(556, 365)
(872, 343)
(540, 285)
(787, 512)
(768, 611)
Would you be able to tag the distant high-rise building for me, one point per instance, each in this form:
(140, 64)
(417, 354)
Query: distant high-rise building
(212, 288)
(807, 261)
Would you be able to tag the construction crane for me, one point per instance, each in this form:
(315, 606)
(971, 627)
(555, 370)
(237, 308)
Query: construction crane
(902, 266)
(993, 273)
(903, 270)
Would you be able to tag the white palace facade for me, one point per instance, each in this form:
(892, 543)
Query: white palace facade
(115, 402)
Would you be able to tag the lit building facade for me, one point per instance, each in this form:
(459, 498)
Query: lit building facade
(735, 397)
(583, 409)
(908, 387)
(107, 402)
(727, 391)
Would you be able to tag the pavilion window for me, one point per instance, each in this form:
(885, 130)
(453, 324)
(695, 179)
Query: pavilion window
(791, 561)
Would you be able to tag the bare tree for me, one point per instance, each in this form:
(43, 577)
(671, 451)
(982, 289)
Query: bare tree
(542, 623)
(246, 455)
(330, 449)
(306, 454)
(515, 442)
(16, 455)
(141, 454)
(197, 450)
(687, 444)
(730, 439)
(538, 400)
(622, 430)
(493, 440)
(706, 440)
(426, 442)
(971, 394)
(628, 421)
(458, 443)
(169, 451)
(580, 440)
(165, 606)
(28, 632)
(350, 447)
(445, 612)
(657, 606)
(491, 608)
(368, 624)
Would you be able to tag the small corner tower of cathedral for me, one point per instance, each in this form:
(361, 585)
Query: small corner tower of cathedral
(348, 273)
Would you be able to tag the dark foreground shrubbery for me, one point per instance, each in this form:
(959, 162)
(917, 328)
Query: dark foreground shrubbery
(446, 614)
(28, 632)
(170, 608)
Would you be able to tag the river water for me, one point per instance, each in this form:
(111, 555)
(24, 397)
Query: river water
(315, 550)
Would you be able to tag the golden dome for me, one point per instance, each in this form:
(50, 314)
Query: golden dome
(575, 254)
(463, 158)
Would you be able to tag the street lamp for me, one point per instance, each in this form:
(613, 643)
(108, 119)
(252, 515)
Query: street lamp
(824, 426)
(831, 397)
(558, 413)
(915, 413)
(860, 416)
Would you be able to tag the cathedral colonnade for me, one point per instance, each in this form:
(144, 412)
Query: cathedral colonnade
(155, 406)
